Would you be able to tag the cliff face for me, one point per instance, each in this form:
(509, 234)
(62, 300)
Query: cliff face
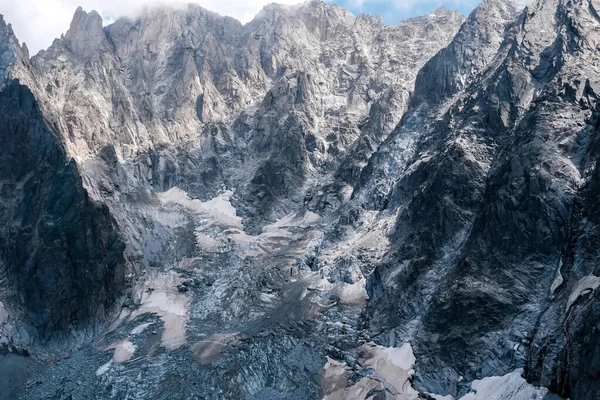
(489, 207)
(61, 260)
(310, 205)
(208, 87)
(61, 253)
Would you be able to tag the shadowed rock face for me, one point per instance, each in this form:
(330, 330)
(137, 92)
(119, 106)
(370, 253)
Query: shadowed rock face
(490, 210)
(310, 205)
(61, 254)
(565, 352)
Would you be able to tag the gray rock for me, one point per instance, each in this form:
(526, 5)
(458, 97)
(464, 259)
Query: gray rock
(249, 182)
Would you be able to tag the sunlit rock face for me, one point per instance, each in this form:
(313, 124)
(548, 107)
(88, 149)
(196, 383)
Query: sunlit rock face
(310, 205)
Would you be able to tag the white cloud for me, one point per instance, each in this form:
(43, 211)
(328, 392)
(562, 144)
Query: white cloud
(39, 22)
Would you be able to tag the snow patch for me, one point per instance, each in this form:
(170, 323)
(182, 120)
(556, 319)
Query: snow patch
(508, 387)
(584, 286)
(355, 293)
(217, 225)
(207, 243)
(277, 235)
(385, 369)
(205, 351)
(389, 369)
(168, 303)
(217, 211)
(158, 294)
(558, 279)
(104, 368)
(123, 351)
(140, 328)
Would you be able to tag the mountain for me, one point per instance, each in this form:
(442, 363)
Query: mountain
(487, 208)
(310, 205)
(61, 254)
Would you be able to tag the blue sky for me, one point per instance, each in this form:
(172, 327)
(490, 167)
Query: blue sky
(394, 11)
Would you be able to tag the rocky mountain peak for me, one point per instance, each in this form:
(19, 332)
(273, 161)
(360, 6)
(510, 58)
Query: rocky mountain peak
(85, 34)
(504, 9)
(469, 53)
(8, 49)
(319, 18)
(443, 11)
(14, 57)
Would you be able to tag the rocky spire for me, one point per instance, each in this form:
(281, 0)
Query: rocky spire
(85, 35)
(14, 58)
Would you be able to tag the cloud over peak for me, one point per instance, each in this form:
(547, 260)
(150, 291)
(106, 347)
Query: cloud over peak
(39, 22)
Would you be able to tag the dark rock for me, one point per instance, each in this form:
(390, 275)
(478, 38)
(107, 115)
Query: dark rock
(61, 250)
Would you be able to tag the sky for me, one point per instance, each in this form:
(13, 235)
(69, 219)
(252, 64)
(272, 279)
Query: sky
(39, 22)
